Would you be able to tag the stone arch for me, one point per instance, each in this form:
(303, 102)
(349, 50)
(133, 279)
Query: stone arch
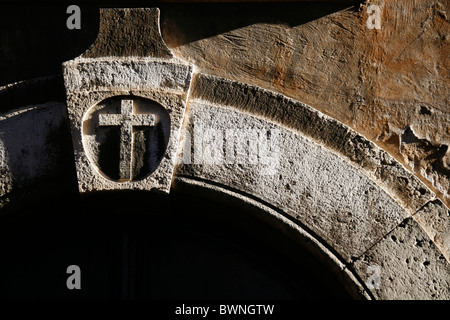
(377, 223)
(354, 198)
(350, 193)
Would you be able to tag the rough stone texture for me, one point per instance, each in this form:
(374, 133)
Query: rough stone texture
(410, 265)
(128, 33)
(126, 74)
(313, 185)
(434, 218)
(379, 82)
(362, 153)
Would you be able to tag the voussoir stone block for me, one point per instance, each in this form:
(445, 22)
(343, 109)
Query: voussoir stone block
(405, 264)
(434, 218)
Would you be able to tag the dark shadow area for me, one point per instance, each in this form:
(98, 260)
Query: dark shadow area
(35, 40)
(144, 246)
(198, 21)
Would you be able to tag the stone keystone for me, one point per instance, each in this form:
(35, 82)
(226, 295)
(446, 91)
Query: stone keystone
(126, 120)
(126, 98)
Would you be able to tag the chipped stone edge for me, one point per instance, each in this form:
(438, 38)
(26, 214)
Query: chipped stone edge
(73, 78)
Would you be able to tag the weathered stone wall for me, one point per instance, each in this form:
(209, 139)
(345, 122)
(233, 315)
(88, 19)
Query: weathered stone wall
(391, 85)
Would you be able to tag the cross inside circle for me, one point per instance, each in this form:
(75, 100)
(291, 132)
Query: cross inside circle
(126, 120)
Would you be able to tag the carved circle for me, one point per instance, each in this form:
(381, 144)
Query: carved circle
(115, 153)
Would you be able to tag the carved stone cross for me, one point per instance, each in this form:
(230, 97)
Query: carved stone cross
(126, 120)
(130, 66)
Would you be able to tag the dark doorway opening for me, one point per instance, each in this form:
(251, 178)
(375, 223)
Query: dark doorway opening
(142, 246)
